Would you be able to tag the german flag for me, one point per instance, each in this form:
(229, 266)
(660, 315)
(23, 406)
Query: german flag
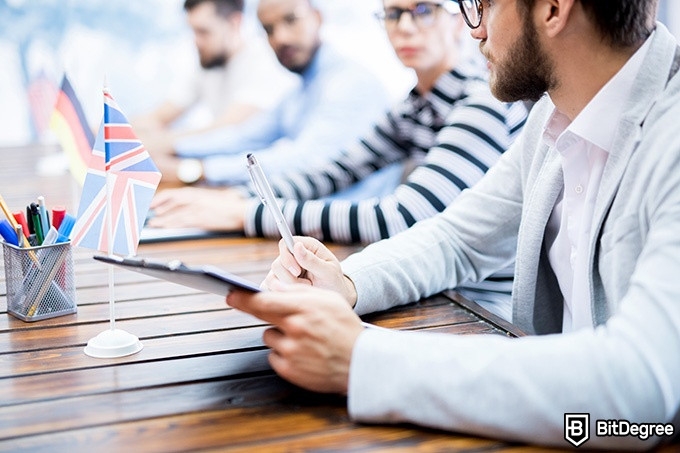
(75, 136)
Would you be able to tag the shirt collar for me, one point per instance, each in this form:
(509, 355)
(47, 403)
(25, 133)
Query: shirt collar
(597, 122)
(319, 60)
(449, 88)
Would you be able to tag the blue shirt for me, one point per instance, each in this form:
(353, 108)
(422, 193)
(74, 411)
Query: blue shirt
(335, 103)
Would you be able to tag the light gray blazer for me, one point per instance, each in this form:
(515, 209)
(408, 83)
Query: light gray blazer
(629, 367)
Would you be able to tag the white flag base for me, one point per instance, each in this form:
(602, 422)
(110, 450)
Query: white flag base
(113, 343)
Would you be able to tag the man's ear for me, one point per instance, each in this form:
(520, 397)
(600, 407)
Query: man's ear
(553, 15)
(236, 18)
(318, 16)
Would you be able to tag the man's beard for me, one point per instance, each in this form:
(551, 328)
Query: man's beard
(528, 74)
(301, 67)
(215, 62)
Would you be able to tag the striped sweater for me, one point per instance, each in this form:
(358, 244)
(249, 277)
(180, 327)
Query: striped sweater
(453, 133)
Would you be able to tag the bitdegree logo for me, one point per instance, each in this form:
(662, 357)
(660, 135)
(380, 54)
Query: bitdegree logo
(608, 428)
(577, 429)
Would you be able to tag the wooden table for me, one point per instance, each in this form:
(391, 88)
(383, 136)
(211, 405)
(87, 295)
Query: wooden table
(202, 381)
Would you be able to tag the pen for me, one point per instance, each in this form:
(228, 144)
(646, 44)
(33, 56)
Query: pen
(8, 233)
(58, 213)
(264, 190)
(13, 222)
(44, 218)
(21, 220)
(52, 237)
(20, 236)
(29, 220)
(37, 223)
(66, 226)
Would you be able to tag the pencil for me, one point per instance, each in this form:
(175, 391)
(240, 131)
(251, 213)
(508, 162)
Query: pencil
(14, 224)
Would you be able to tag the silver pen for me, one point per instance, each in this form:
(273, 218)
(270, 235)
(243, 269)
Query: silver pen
(266, 194)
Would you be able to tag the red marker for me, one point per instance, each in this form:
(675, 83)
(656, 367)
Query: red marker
(58, 213)
(21, 220)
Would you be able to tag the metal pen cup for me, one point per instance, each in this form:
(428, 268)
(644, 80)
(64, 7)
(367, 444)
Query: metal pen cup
(40, 281)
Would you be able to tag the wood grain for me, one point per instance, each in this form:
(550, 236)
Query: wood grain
(203, 380)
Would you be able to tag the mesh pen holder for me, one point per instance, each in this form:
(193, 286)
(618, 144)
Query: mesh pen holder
(40, 281)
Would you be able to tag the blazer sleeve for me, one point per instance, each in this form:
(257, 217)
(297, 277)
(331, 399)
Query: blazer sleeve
(520, 389)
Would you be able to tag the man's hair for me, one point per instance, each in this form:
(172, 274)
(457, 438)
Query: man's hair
(622, 23)
(224, 8)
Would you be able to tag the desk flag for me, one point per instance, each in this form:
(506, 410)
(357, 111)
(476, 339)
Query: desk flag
(119, 157)
(42, 95)
(69, 124)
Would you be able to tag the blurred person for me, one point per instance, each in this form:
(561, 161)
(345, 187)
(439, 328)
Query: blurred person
(238, 78)
(587, 201)
(449, 123)
(336, 100)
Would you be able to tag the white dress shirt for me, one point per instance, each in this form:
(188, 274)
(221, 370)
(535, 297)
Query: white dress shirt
(584, 145)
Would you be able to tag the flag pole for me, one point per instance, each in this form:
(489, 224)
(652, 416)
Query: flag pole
(109, 218)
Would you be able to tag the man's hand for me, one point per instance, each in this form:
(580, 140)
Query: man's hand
(168, 165)
(193, 207)
(159, 142)
(312, 337)
(322, 268)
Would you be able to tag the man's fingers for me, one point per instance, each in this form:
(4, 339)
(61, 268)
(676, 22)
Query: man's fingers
(180, 217)
(160, 199)
(281, 272)
(316, 247)
(272, 337)
(308, 259)
(271, 307)
(287, 261)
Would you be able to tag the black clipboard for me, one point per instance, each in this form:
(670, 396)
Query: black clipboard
(205, 278)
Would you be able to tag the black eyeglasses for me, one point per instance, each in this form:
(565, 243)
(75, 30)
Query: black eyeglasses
(472, 12)
(422, 14)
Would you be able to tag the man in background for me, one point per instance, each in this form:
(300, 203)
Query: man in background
(337, 98)
(239, 77)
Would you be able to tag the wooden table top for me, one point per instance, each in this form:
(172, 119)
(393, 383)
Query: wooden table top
(202, 381)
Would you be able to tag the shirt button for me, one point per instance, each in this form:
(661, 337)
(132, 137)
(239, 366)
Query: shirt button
(578, 189)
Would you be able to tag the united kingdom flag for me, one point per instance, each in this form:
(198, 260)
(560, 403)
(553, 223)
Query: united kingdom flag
(121, 180)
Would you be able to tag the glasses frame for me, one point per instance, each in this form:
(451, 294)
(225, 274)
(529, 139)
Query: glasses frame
(480, 11)
(381, 16)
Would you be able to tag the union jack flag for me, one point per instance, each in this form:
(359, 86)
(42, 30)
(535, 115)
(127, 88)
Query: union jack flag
(122, 166)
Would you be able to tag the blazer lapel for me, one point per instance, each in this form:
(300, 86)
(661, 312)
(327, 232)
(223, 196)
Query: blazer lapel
(534, 310)
(649, 84)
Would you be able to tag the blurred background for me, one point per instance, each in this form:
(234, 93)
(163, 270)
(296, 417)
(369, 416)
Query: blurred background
(144, 49)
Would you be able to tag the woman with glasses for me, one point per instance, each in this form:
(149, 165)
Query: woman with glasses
(449, 125)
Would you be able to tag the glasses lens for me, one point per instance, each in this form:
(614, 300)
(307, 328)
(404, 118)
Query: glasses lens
(423, 14)
(472, 12)
(391, 15)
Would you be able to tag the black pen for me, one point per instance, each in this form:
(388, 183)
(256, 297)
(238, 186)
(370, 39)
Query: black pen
(37, 223)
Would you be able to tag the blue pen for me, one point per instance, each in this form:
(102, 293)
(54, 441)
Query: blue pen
(66, 226)
(44, 217)
(8, 233)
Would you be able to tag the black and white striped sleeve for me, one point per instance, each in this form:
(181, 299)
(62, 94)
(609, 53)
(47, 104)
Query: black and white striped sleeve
(478, 130)
(380, 147)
